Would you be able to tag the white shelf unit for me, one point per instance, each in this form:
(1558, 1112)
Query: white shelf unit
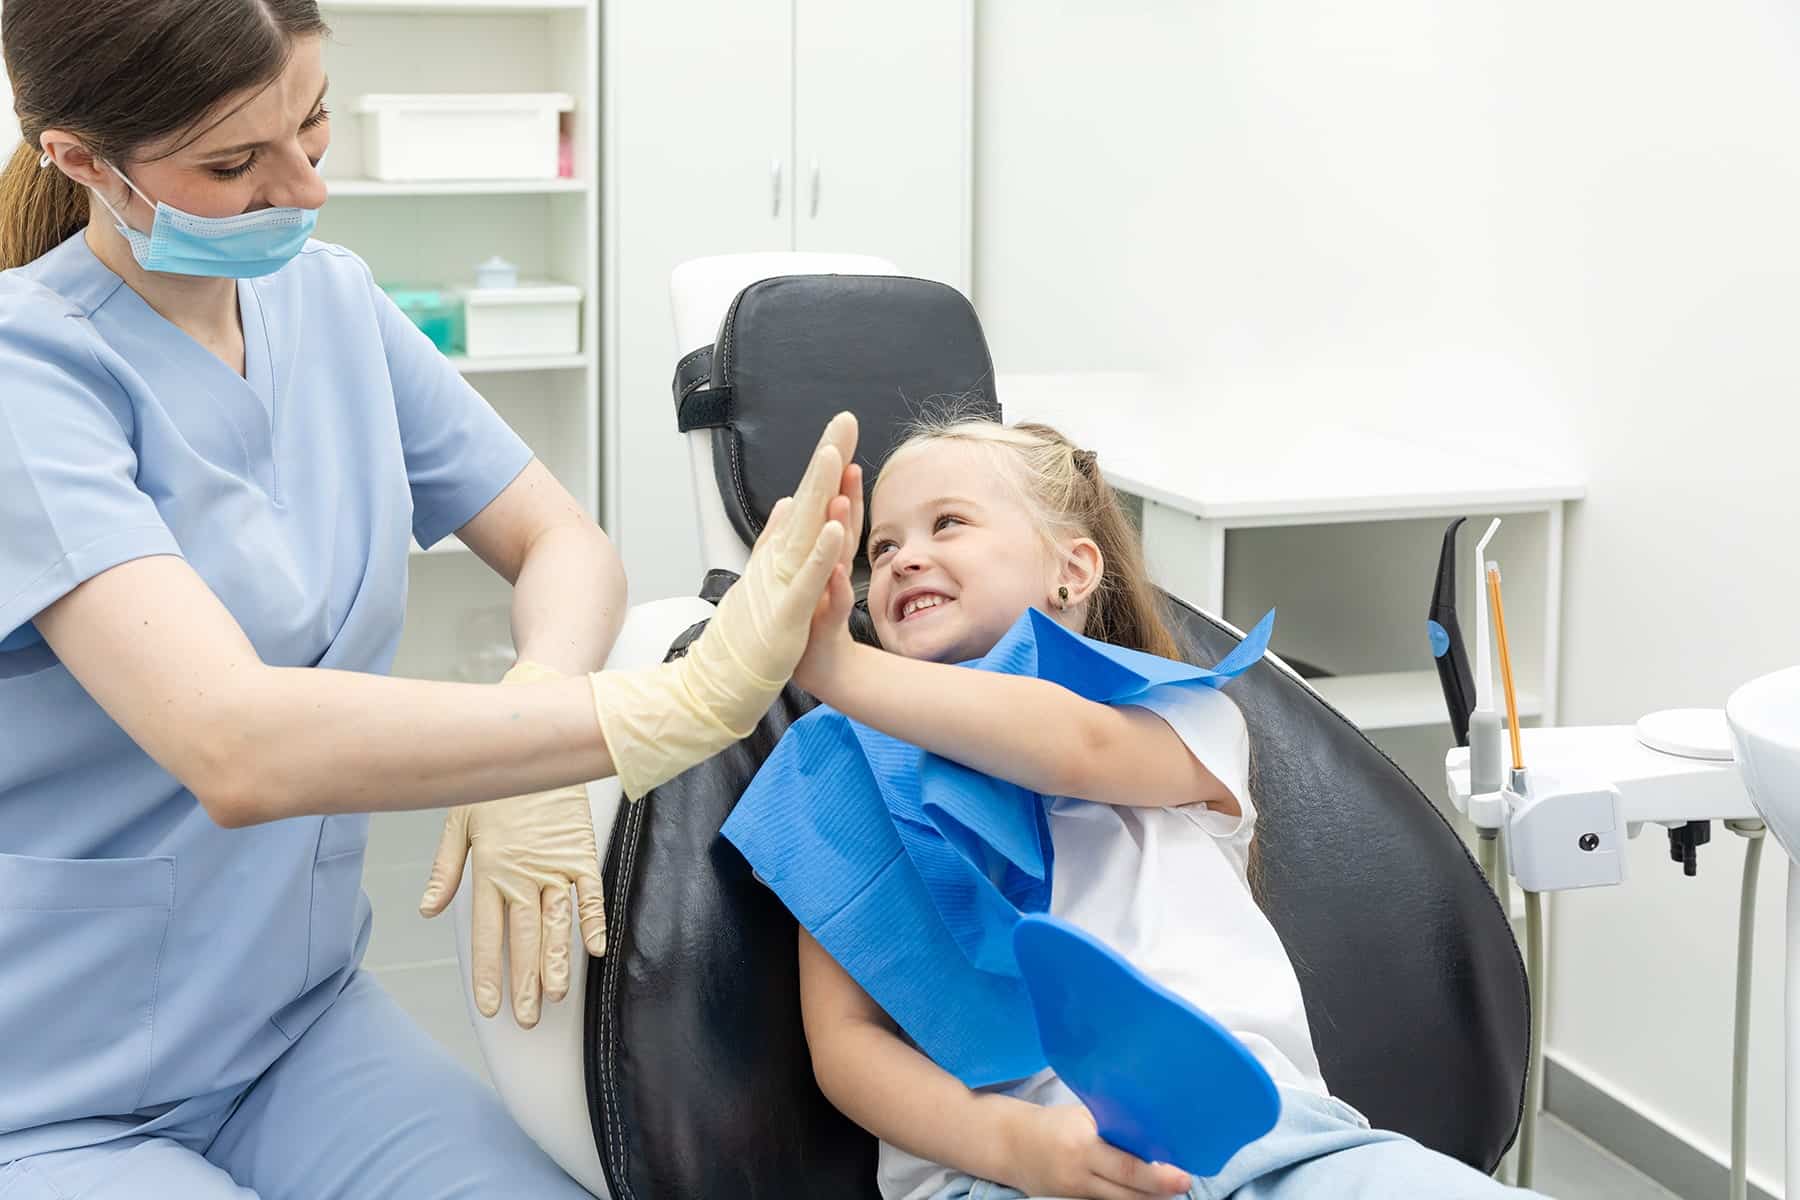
(498, 366)
(1399, 699)
(434, 233)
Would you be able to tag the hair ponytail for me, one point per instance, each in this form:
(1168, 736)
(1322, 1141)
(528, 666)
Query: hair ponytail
(40, 207)
(1125, 609)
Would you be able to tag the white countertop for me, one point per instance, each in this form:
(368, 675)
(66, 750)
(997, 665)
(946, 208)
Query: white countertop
(1158, 437)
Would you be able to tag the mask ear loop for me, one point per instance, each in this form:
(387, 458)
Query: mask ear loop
(123, 223)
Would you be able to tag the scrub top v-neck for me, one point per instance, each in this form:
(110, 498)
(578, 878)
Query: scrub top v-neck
(149, 958)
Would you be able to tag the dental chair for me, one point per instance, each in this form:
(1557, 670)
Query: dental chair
(677, 1068)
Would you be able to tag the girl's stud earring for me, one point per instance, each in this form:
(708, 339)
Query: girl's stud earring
(1062, 597)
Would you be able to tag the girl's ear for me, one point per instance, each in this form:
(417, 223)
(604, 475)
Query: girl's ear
(1083, 566)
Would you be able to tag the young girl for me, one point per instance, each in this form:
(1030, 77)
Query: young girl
(1152, 819)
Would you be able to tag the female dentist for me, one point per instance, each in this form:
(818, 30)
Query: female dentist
(215, 439)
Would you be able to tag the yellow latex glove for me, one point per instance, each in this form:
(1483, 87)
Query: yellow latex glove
(661, 720)
(525, 853)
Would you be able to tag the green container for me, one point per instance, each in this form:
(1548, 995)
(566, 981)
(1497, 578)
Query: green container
(438, 312)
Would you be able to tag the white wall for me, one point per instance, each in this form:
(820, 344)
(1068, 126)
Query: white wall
(1575, 217)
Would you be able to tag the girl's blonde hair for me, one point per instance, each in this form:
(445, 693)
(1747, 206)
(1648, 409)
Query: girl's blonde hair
(1067, 497)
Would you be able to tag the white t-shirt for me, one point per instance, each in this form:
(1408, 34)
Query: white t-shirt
(1165, 887)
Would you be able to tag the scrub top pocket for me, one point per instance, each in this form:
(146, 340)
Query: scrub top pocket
(82, 940)
(338, 908)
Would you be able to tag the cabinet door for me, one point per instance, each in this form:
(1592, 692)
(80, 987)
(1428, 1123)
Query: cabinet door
(699, 99)
(882, 121)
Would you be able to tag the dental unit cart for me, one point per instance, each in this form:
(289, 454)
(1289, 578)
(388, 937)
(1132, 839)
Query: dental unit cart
(1573, 796)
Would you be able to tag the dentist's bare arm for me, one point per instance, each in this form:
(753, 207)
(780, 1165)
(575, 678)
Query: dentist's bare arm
(569, 599)
(166, 660)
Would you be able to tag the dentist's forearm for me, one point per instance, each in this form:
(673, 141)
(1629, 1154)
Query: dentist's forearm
(308, 740)
(569, 600)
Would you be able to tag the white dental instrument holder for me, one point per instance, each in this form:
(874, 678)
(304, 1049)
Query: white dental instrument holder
(1606, 781)
(1563, 831)
(1654, 786)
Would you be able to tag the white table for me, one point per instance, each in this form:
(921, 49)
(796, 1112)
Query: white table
(1200, 475)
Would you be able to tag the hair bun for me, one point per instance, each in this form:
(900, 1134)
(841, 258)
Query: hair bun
(1084, 461)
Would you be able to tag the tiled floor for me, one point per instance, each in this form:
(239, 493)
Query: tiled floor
(415, 960)
(1570, 1167)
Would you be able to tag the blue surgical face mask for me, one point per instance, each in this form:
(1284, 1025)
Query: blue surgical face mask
(240, 247)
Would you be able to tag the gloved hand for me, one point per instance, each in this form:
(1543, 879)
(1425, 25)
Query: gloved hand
(525, 852)
(661, 720)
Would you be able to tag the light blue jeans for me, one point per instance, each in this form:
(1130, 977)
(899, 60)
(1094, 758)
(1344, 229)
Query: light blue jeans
(1320, 1149)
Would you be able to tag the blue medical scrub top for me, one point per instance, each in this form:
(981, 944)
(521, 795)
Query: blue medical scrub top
(150, 960)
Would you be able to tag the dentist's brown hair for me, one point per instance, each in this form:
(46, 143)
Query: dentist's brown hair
(121, 75)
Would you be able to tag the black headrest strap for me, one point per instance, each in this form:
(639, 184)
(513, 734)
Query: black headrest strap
(698, 406)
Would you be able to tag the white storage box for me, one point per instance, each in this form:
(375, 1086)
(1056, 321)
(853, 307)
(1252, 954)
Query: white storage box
(424, 138)
(533, 318)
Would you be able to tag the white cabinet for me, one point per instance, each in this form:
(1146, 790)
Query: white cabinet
(882, 97)
(745, 125)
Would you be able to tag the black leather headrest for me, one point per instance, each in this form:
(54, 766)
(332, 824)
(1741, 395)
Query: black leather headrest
(795, 350)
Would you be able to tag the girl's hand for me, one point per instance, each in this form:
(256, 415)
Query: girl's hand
(1057, 1151)
(829, 645)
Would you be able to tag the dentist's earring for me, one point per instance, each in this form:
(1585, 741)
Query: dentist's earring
(1062, 598)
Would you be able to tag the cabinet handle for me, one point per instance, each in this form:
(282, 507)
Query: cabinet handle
(775, 187)
(815, 187)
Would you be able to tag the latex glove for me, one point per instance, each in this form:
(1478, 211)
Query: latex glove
(525, 853)
(661, 720)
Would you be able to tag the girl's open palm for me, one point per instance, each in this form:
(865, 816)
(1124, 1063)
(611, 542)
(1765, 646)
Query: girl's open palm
(829, 639)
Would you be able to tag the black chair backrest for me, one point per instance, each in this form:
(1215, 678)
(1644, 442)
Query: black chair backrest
(1414, 988)
(698, 1078)
(699, 1081)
